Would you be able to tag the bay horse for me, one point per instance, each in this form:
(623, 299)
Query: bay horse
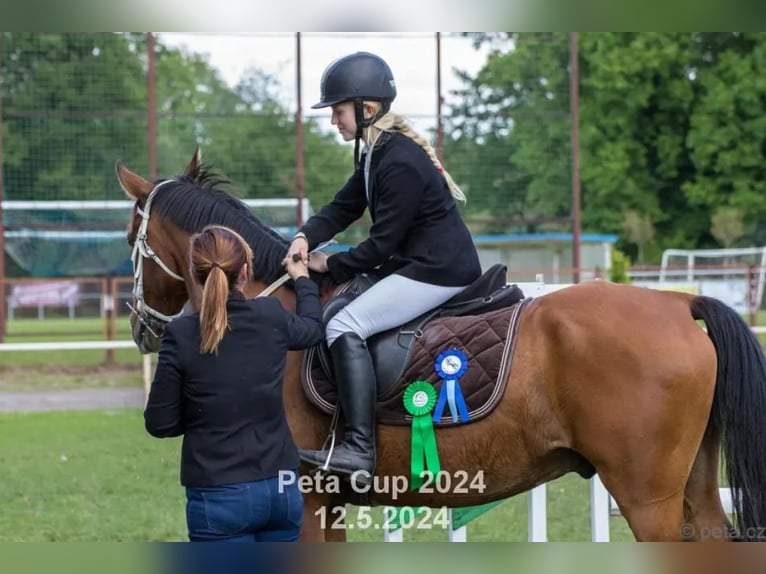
(606, 378)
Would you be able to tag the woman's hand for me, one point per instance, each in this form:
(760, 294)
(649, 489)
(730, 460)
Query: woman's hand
(296, 268)
(300, 245)
(318, 262)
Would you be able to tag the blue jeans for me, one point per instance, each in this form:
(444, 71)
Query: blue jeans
(245, 512)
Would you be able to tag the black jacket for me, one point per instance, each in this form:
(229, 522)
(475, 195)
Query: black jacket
(229, 406)
(416, 228)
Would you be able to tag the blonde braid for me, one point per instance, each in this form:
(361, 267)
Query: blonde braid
(393, 122)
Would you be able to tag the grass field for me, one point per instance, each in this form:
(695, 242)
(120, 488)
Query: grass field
(91, 329)
(97, 476)
(75, 369)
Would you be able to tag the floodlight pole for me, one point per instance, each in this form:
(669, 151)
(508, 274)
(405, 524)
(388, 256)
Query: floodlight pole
(574, 103)
(152, 105)
(299, 167)
(439, 126)
(2, 226)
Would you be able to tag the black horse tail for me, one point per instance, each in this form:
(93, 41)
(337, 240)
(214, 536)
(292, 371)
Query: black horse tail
(739, 411)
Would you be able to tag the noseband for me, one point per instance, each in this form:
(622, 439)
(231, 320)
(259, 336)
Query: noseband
(152, 319)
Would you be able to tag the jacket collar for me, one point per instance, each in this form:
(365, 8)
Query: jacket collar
(236, 295)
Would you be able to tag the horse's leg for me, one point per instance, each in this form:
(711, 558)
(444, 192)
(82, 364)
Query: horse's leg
(648, 477)
(656, 521)
(648, 468)
(703, 513)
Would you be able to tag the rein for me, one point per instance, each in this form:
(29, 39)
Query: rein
(282, 280)
(274, 286)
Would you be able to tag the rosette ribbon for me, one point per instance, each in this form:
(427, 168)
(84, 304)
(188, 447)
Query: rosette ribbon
(419, 401)
(450, 392)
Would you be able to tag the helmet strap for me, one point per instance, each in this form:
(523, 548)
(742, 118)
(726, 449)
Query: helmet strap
(356, 151)
(361, 123)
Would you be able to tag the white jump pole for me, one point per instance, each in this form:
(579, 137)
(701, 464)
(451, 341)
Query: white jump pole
(537, 514)
(599, 510)
(457, 534)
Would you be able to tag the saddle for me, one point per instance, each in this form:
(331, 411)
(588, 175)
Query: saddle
(481, 320)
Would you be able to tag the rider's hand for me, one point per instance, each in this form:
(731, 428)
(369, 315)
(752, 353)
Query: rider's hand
(300, 245)
(318, 262)
(297, 268)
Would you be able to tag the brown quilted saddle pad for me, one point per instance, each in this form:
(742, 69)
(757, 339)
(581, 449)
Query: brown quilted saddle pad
(487, 340)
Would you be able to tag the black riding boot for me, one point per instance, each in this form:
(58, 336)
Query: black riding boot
(357, 390)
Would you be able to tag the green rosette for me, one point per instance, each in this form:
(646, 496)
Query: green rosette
(420, 400)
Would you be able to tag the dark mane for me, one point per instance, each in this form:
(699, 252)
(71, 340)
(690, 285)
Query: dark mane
(192, 202)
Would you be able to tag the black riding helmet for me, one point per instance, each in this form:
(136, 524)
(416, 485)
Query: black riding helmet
(362, 76)
(358, 77)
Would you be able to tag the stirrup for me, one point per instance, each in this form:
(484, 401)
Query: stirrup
(331, 448)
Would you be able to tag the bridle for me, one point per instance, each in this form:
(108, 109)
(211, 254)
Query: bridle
(152, 319)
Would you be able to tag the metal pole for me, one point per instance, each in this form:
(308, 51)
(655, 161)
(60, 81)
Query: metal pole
(752, 296)
(299, 167)
(105, 284)
(439, 126)
(2, 227)
(574, 104)
(152, 105)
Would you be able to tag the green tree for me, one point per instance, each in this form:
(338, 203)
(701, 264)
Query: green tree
(72, 104)
(639, 230)
(509, 137)
(75, 103)
(672, 126)
(727, 136)
(618, 272)
(727, 226)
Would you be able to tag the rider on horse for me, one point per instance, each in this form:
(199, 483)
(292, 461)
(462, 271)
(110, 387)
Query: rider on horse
(418, 241)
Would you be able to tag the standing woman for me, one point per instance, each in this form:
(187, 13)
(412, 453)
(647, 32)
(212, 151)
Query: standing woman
(219, 384)
(417, 240)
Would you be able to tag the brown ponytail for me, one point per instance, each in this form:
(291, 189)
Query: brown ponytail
(217, 257)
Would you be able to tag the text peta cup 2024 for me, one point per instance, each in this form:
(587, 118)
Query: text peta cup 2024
(442, 482)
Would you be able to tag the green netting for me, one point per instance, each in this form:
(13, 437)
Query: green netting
(68, 242)
(69, 253)
(83, 242)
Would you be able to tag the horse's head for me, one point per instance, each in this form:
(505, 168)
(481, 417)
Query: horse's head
(158, 256)
(165, 215)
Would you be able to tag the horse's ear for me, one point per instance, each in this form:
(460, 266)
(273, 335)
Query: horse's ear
(193, 169)
(135, 186)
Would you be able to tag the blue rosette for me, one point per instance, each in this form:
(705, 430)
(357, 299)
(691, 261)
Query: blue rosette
(450, 366)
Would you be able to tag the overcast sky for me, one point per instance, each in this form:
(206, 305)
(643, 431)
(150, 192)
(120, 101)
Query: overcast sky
(412, 58)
